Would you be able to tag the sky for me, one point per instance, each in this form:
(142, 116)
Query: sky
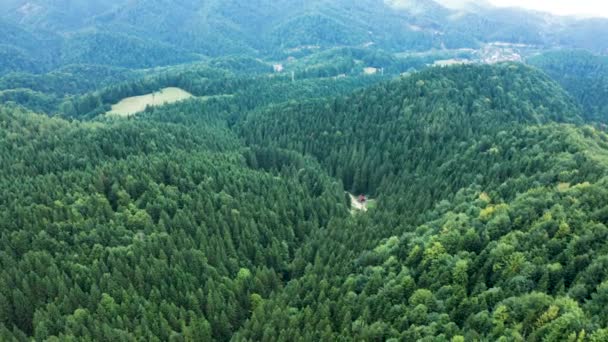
(561, 7)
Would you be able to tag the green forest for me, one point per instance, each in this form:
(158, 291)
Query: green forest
(583, 74)
(226, 218)
(42, 35)
(321, 170)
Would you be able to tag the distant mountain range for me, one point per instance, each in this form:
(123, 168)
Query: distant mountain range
(40, 35)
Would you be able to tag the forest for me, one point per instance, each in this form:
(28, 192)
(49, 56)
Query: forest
(40, 36)
(227, 218)
(583, 74)
(337, 170)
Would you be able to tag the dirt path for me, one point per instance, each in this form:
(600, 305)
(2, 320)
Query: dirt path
(355, 205)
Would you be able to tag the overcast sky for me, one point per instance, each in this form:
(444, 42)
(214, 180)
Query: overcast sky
(561, 7)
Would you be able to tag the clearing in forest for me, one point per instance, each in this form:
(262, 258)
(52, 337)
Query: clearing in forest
(356, 205)
(136, 104)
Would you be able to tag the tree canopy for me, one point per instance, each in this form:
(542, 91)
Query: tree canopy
(226, 218)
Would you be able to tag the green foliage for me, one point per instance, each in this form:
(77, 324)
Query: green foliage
(235, 93)
(226, 218)
(36, 101)
(21, 50)
(141, 229)
(41, 35)
(399, 129)
(475, 231)
(118, 50)
(352, 61)
(72, 79)
(14, 59)
(583, 75)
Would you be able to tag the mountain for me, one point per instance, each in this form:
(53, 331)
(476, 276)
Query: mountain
(22, 50)
(145, 33)
(479, 181)
(397, 130)
(55, 15)
(226, 218)
(583, 74)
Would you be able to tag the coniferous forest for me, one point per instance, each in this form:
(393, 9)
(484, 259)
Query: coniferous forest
(232, 215)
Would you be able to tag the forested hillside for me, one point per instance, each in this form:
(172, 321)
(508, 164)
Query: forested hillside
(402, 129)
(488, 223)
(117, 231)
(226, 218)
(583, 75)
(42, 35)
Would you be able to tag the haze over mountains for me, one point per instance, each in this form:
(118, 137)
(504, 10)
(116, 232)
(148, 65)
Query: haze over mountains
(286, 170)
(42, 35)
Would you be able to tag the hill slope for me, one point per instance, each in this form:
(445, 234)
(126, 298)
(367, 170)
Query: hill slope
(192, 222)
(583, 75)
(126, 32)
(101, 219)
(489, 219)
(401, 128)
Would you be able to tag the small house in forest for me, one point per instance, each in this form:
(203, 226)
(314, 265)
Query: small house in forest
(278, 68)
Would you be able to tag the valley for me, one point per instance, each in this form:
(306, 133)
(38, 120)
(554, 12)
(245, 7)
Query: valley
(265, 188)
(301, 171)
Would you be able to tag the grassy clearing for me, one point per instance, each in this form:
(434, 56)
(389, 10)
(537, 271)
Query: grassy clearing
(136, 104)
(356, 206)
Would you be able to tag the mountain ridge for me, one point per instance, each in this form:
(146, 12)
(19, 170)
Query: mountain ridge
(270, 29)
(217, 219)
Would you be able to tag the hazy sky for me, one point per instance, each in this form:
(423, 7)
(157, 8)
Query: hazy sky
(561, 7)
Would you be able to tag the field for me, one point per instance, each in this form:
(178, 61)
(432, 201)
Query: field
(136, 104)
